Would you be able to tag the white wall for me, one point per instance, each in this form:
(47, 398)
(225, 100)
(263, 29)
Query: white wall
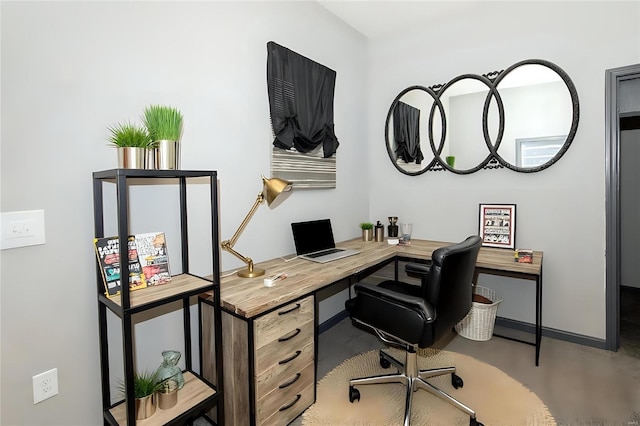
(561, 210)
(71, 69)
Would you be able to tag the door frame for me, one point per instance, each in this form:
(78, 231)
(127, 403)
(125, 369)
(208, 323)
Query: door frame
(612, 200)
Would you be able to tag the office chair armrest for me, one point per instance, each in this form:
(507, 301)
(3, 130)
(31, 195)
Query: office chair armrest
(417, 304)
(417, 268)
(406, 318)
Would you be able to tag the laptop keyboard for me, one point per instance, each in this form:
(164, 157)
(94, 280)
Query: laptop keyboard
(323, 252)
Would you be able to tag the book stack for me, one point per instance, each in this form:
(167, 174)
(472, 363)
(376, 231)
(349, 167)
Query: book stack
(148, 261)
(523, 256)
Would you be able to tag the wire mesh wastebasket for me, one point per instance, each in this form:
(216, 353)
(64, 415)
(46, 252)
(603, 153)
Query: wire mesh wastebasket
(479, 322)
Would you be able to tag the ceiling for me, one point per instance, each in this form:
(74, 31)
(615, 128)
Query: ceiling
(378, 19)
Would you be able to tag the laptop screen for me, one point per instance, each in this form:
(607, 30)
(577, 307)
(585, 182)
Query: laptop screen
(312, 236)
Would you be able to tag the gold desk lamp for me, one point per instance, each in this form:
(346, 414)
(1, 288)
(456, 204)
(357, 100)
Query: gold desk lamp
(275, 191)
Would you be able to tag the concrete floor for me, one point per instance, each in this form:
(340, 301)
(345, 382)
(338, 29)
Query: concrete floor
(580, 385)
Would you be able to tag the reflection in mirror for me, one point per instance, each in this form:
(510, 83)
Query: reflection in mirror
(407, 131)
(535, 152)
(539, 115)
(465, 149)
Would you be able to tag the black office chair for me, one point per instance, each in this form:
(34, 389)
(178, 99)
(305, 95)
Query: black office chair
(411, 317)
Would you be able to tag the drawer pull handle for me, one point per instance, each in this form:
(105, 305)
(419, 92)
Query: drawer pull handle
(290, 310)
(286, 407)
(295, 333)
(290, 382)
(291, 358)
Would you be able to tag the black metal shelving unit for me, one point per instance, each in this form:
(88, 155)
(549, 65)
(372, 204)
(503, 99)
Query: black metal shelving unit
(202, 394)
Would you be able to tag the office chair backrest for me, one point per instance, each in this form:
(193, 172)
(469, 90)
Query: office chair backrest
(448, 285)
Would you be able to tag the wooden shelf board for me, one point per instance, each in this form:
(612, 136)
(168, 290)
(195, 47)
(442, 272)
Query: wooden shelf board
(193, 393)
(179, 284)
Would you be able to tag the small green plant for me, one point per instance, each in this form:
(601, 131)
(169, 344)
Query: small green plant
(163, 122)
(129, 135)
(144, 384)
(366, 225)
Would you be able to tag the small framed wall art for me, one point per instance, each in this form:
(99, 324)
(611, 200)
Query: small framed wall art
(498, 225)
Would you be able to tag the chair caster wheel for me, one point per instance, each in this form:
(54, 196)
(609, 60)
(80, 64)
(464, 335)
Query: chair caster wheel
(384, 363)
(354, 394)
(456, 381)
(475, 422)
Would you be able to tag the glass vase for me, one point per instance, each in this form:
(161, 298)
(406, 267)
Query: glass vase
(169, 369)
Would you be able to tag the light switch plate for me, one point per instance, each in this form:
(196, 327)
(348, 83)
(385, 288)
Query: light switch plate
(21, 229)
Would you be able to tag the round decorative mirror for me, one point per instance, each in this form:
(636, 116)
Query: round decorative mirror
(465, 148)
(407, 130)
(523, 118)
(542, 115)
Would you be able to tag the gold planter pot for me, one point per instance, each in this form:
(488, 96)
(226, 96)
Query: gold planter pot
(367, 235)
(150, 154)
(131, 157)
(145, 407)
(167, 155)
(167, 400)
(168, 395)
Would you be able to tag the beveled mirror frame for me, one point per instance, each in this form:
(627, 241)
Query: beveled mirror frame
(493, 160)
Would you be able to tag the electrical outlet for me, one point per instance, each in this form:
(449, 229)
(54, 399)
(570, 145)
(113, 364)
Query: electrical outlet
(45, 385)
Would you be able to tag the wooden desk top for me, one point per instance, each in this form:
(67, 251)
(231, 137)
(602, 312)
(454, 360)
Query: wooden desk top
(249, 297)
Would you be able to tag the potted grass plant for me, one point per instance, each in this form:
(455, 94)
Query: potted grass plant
(145, 385)
(164, 124)
(132, 141)
(367, 231)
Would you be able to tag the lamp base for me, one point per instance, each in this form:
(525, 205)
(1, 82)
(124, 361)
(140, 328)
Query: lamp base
(246, 273)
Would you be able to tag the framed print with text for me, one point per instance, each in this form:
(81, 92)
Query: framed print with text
(498, 225)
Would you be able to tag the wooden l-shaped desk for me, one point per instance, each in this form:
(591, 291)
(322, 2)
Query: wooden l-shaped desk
(269, 334)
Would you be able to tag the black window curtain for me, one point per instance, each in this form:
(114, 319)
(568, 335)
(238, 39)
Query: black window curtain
(406, 132)
(301, 101)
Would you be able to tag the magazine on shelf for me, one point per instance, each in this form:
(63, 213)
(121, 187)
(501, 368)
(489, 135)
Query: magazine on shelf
(153, 257)
(108, 255)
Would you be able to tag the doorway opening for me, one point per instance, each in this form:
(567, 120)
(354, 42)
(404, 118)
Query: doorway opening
(622, 113)
(629, 233)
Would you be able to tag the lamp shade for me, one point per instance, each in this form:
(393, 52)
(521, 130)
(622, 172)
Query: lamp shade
(276, 190)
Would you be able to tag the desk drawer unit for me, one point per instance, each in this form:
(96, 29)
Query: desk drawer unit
(281, 406)
(284, 362)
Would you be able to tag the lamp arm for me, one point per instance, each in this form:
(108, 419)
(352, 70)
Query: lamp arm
(259, 200)
(228, 244)
(225, 246)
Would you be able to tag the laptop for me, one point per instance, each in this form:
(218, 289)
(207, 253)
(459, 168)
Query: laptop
(314, 241)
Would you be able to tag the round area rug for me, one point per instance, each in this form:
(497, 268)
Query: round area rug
(496, 398)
